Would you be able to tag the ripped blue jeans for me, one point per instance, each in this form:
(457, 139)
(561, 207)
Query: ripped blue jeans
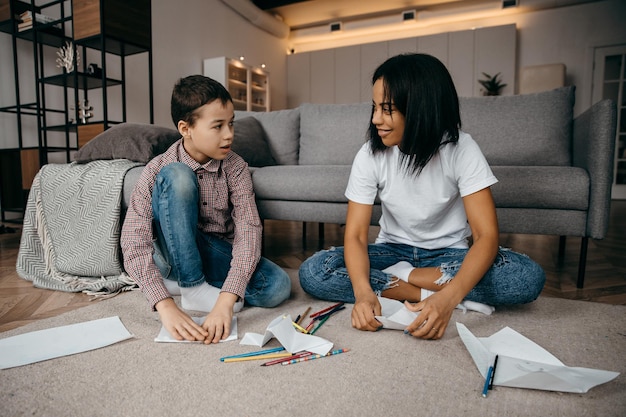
(512, 279)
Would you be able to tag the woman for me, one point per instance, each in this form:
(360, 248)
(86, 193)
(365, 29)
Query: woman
(434, 186)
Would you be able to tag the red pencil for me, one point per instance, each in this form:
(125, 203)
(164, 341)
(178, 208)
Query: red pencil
(325, 310)
(281, 360)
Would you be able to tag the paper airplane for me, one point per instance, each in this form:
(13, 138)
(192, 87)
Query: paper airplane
(292, 340)
(524, 364)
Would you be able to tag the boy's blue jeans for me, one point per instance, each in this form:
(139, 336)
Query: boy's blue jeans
(186, 255)
(512, 279)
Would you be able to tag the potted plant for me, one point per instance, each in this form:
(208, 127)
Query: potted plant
(492, 85)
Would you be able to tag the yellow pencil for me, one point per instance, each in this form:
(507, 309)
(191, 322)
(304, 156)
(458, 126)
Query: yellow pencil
(259, 357)
(297, 326)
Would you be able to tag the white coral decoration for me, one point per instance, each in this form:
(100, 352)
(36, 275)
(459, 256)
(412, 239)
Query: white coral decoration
(66, 57)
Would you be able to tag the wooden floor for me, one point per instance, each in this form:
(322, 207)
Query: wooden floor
(605, 279)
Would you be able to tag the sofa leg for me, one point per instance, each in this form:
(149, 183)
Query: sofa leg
(303, 235)
(561, 255)
(320, 242)
(582, 262)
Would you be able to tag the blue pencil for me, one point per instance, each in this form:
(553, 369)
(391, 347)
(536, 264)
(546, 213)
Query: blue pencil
(259, 352)
(488, 379)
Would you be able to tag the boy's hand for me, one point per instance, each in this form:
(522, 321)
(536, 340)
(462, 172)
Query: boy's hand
(217, 324)
(178, 323)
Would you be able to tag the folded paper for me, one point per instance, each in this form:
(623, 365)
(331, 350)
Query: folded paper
(524, 364)
(52, 343)
(165, 336)
(292, 340)
(394, 314)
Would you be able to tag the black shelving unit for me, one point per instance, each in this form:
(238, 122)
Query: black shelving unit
(107, 24)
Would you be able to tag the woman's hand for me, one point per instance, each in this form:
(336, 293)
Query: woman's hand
(364, 311)
(435, 313)
(178, 323)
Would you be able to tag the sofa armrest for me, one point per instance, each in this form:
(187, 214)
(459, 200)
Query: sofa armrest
(594, 150)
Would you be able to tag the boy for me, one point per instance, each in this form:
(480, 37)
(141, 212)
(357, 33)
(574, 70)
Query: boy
(192, 226)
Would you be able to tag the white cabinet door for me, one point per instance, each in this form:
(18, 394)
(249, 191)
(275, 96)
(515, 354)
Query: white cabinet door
(495, 52)
(298, 79)
(461, 62)
(323, 76)
(331, 75)
(372, 55)
(347, 75)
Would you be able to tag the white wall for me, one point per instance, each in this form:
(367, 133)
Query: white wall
(565, 35)
(186, 32)
(569, 35)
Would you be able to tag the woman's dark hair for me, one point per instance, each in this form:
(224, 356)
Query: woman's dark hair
(191, 93)
(421, 88)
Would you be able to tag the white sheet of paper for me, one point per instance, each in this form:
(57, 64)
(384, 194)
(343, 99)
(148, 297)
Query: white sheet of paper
(524, 364)
(394, 314)
(292, 340)
(67, 340)
(165, 337)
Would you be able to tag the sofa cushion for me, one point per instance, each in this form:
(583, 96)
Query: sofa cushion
(324, 183)
(251, 143)
(282, 129)
(135, 141)
(331, 134)
(541, 187)
(532, 129)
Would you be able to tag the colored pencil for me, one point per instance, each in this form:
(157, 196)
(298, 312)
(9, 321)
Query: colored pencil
(488, 379)
(322, 321)
(310, 326)
(297, 326)
(302, 316)
(493, 374)
(331, 312)
(258, 357)
(296, 356)
(258, 352)
(325, 310)
(310, 358)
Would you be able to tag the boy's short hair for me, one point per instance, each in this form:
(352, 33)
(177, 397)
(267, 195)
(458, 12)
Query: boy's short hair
(191, 93)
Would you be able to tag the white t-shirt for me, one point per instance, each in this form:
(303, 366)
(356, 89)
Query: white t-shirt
(427, 210)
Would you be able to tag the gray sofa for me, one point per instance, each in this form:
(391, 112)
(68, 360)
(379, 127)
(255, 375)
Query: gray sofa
(554, 170)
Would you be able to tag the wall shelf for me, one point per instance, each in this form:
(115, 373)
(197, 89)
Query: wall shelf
(83, 81)
(248, 86)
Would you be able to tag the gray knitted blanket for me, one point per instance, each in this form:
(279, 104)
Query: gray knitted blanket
(72, 225)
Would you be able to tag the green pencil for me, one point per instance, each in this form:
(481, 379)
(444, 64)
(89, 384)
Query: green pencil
(320, 325)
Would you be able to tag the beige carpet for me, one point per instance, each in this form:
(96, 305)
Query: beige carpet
(386, 373)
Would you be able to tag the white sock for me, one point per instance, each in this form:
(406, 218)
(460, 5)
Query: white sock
(238, 306)
(203, 298)
(465, 304)
(199, 298)
(474, 306)
(172, 286)
(426, 293)
(400, 270)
